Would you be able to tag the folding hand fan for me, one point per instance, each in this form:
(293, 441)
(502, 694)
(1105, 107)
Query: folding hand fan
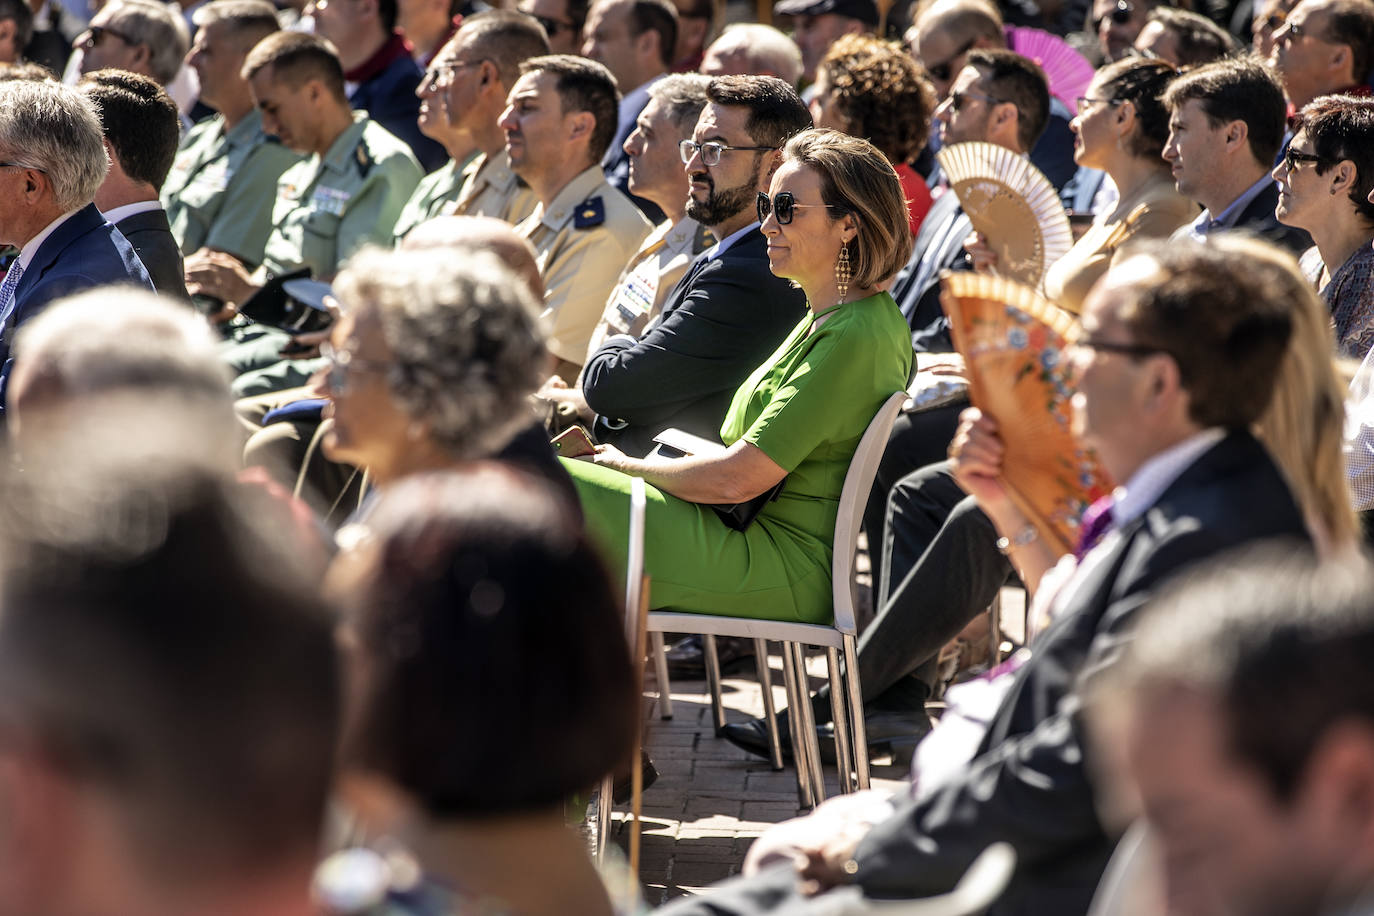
(1013, 345)
(1068, 71)
(1013, 204)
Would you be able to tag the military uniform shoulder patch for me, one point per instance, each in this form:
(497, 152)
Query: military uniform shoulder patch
(364, 159)
(704, 239)
(590, 213)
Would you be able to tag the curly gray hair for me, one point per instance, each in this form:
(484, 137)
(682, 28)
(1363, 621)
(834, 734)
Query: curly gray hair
(464, 334)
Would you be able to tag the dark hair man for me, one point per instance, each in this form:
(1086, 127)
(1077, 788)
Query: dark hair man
(816, 24)
(559, 121)
(461, 98)
(141, 129)
(141, 36)
(1174, 364)
(1246, 716)
(562, 21)
(381, 76)
(1183, 38)
(51, 142)
(1324, 47)
(219, 193)
(16, 28)
(1117, 24)
(1226, 123)
(634, 39)
(188, 756)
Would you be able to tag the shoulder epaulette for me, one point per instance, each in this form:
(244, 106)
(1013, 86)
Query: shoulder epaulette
(590, 213)
(364, 159)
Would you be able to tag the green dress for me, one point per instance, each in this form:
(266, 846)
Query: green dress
(807, 408)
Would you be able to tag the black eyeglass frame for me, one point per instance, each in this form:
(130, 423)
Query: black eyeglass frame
(1293, 158)
(944, 71)
(782, 204)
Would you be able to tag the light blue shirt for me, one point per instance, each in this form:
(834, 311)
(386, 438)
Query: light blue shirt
(1199, 228)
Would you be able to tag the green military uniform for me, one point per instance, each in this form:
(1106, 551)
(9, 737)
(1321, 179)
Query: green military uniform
(435, 192)
(326, 208)
(490, 188)
(220, 190)
(582, 241)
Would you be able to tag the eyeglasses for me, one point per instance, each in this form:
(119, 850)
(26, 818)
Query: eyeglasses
(342, 363)
(1083, 102)
(783, 203)
(1120, 15)
(442, 73)
(711, 150)
(1112, 346)
(957, 99)
(96, 32)
(944, 72)
(20, 165)
(553, 26)
(1293, 158)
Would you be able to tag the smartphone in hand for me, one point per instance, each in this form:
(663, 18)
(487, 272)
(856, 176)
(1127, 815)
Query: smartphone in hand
(573, 443)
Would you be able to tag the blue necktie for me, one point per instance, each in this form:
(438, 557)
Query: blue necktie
(7, 291)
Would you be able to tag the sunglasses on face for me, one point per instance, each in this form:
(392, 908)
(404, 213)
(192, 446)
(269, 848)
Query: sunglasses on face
(957, 100)
(1293, 158)
(95, 33)
(782, 205)
(944, 72)
(552, 26)
(1120, 15)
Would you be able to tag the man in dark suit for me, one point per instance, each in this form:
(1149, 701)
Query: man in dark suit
(1174, 364)
(52, 161)
(141, 134)
(729, 312)
(1226, 122)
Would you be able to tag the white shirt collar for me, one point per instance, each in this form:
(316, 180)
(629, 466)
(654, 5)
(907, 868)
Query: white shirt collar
(32, 245)
(141, 206)
(719, 248)
(1157, 474)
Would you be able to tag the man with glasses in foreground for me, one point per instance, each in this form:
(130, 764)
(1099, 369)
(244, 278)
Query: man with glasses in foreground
(461, 97)
(1174, 364)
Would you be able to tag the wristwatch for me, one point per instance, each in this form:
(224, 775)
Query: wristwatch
(1027, 535)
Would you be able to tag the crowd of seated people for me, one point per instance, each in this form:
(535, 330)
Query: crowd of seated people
(324, 323)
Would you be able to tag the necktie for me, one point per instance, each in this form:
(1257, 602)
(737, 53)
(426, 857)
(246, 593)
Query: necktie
(7, 291)
(1096, 522)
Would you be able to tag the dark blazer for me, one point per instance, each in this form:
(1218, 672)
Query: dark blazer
(939, 247)
(84, 252)
(723, 319)
(1028, 784)
(157, 248)
(389, 99)
(1259, 218)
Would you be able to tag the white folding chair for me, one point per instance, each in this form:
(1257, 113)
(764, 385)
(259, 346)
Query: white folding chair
(846, 704)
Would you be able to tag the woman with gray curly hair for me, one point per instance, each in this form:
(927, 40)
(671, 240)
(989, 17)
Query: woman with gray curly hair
(432, 364)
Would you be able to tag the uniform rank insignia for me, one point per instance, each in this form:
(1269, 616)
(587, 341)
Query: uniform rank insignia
(591, 212)
(364, 159)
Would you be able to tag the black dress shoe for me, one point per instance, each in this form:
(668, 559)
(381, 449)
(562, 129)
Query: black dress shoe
(623, 787)
(687, 657)
(886, 732)
(752, 736)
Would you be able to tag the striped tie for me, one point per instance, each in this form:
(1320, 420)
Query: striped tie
(7, 291)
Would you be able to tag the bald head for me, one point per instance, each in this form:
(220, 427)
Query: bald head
(479, 233)
(750, 49)
(947, 31)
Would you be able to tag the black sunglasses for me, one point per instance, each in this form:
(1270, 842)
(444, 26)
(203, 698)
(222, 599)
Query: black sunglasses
(783, 203)
(957, 99)
(1293, 158)
(97, 32)
(1120, 15)
(944, 72)
(552, 26)
(1111, 346)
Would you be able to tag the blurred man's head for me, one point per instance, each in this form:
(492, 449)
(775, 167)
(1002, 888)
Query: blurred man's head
(1324, 46)
(675, 103)
(226, 31)
(142, 131)
(817, 23)
(634, 39)
(695, 28)
(1182, 38)
(357, 28)
(1249, 736)
(1117, 23)
(947, 31)
(562, 21)
(16, 27)
(139, 35)
(750, 49)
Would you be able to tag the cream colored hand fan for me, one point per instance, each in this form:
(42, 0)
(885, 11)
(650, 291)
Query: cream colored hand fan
(1013, 342)
(1013, 204)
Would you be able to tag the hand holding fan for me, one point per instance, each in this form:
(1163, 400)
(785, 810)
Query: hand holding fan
(1013, 344)
(1012, 204)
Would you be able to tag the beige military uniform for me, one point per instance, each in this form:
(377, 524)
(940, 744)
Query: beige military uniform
(220, 190)
(490, 188)
(435, 193)
(650, 276)
(582, 241)
(329, 206)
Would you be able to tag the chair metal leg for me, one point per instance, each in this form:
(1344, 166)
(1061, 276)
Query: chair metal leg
(856, 710)
(770, 715)
(789, 679)
(665, 687)
(808, 725)
(840, 719)
(995, 629)
(603, 814)
(713, 682)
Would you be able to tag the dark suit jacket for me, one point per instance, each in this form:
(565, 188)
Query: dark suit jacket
(939, 247)
(723, 319)
(1028, 784)
(1259, 218)
(157, 248)
(84, 252)
(389, 98)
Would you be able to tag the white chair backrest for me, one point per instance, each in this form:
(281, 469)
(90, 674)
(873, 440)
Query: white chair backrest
(634, 561)
(858, 482)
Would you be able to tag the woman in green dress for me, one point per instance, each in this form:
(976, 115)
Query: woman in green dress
(836, 225)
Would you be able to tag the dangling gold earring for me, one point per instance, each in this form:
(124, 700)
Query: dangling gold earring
(843, 272)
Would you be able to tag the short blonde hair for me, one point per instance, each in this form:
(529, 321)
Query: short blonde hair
(857, 178)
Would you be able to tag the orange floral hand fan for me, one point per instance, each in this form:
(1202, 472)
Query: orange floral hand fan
(1013, 344)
